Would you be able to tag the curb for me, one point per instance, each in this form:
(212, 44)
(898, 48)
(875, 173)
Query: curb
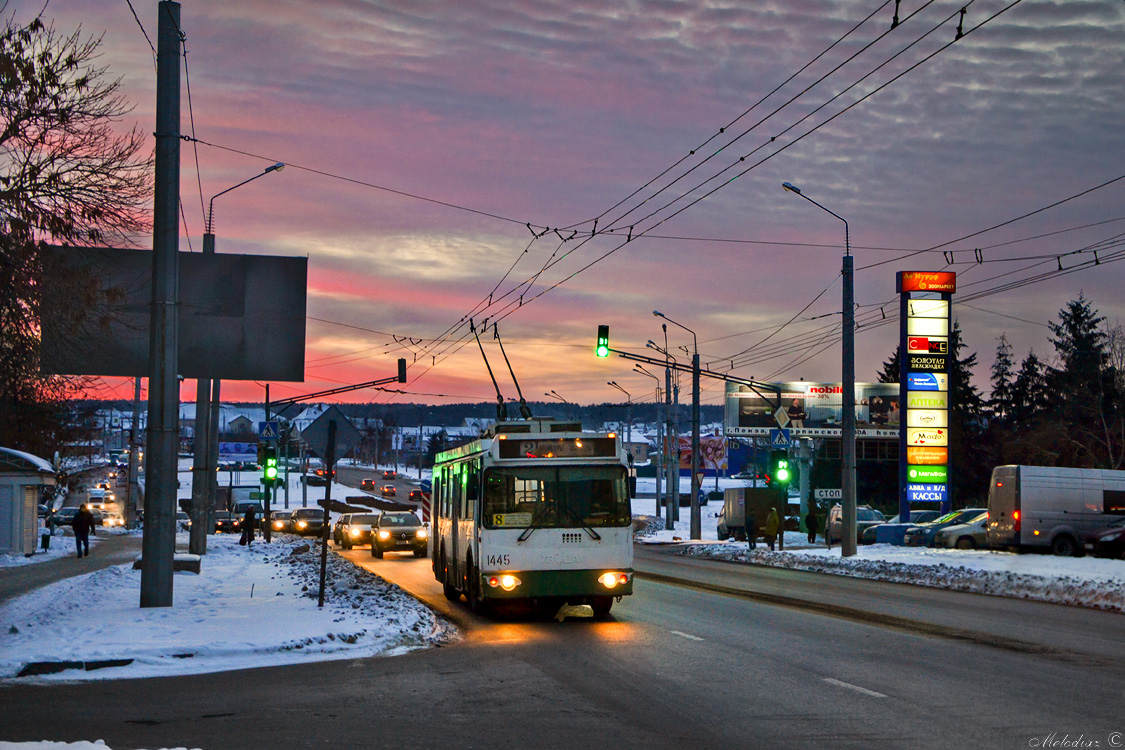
(36, 668)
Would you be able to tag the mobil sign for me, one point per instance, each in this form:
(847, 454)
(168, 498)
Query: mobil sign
(926, 493)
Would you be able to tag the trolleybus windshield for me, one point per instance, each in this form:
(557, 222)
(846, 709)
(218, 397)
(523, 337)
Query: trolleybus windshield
(555, 497)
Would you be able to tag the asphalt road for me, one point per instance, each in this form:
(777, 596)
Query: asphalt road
(674, 667)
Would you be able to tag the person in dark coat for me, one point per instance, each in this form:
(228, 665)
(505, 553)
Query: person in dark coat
(249, 523)
(83, 524)
(810, 522)
(751, 527)
(773, 526)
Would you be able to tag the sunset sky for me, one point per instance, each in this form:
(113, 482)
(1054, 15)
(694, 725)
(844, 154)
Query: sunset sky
(422, 138)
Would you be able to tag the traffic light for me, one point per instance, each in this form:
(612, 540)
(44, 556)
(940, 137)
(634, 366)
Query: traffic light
(602, 349)
(269, 466)
(779, 468)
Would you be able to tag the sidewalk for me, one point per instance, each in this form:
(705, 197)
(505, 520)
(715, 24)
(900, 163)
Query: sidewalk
(106, 551)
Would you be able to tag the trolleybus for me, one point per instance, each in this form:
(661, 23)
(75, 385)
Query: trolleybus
(534, 510)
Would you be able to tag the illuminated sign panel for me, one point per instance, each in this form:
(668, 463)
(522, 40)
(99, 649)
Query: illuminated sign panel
(938, 327)
(930, 474)
(919, 436)
(927, 363)
(927, 493)
(927, 381)
(926, 400)
(926, 281)
(927, 418)
(925, 455)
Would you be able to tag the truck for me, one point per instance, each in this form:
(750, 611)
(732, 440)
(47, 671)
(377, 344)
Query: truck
(732, 518)
(1051, 508)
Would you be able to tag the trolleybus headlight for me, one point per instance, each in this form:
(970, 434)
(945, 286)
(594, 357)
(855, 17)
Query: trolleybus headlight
(507, 581)
(421, 534)
(610, 580)
(384, 534)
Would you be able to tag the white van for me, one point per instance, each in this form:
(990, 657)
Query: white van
(1050, 507)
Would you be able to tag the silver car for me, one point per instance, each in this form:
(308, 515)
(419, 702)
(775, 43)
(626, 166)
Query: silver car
(972, 534)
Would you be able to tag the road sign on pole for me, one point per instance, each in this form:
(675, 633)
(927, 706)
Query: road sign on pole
(268, 430)
(780, 439)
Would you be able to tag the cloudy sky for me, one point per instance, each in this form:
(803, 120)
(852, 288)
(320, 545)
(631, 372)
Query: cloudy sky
(552, 165)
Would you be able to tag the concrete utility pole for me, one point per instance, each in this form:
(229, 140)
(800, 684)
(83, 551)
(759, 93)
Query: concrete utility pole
(159, 543)
(672, 455)
(847, 479)
(131, 486)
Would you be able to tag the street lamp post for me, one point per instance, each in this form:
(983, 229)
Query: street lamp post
(696, 531)
(659, 434)
(204, 477)
(672, 453)
(847, 480)
(628, 415)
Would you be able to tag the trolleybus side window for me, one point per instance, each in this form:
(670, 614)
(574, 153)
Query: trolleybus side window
(472, 480)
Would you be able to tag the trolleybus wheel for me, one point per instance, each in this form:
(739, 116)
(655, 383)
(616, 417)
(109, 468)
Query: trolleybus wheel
(601, 605)
(476, 601)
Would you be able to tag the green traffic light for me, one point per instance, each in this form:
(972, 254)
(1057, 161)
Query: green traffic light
(602, 349)
(782, 471)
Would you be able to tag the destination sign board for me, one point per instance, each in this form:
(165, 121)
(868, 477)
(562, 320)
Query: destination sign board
(558, 448)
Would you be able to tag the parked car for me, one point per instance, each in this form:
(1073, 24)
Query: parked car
(871, 533)
(355, 529)
(225, 523)
(973, 534)
(399, 531)
(183, 521)
(367, 484)
(865, 516)
(281, 520)
(1107, 542)
(308, 521)
(61, 517)
(415, 495)
(388, 490)
(314, 480)
(923, 535)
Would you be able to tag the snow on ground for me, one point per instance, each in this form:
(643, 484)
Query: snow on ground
(248, 607)
(1078, 581)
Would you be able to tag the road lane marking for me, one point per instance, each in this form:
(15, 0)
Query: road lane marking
(686, 635)
(856, 688)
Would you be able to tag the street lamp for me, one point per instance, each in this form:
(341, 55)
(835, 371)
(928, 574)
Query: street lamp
(696, 531)
(637, 367)
(204, 477)
(552, 394)
(847, 481)
(628, 413)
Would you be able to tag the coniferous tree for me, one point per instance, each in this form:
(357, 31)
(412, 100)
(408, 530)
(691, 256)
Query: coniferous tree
(891, 371)
(1000, 402)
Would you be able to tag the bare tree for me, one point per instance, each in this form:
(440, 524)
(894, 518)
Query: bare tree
(66, 177)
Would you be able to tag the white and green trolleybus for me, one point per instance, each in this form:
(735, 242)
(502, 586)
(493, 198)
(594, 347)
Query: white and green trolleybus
(535, 510)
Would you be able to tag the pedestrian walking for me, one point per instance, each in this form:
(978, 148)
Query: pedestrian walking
(249, 523)
(83, 524)
(810, 522)
(751, 526)
(773, 525)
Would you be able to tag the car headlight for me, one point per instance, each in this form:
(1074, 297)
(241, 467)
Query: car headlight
(302, 524)
(422, 534)
(278, 525)
(354, 532)
(384, 534)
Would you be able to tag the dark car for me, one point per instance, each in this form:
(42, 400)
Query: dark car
(61, 517)
(281, 520)
(399, 531)
(923, 535)
(225, 523)
(1108, 542)
(367, 484)
(388, 490)
(916, 517)
(307, 521)
(354, 529)
(415, 495)
(388, 474)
